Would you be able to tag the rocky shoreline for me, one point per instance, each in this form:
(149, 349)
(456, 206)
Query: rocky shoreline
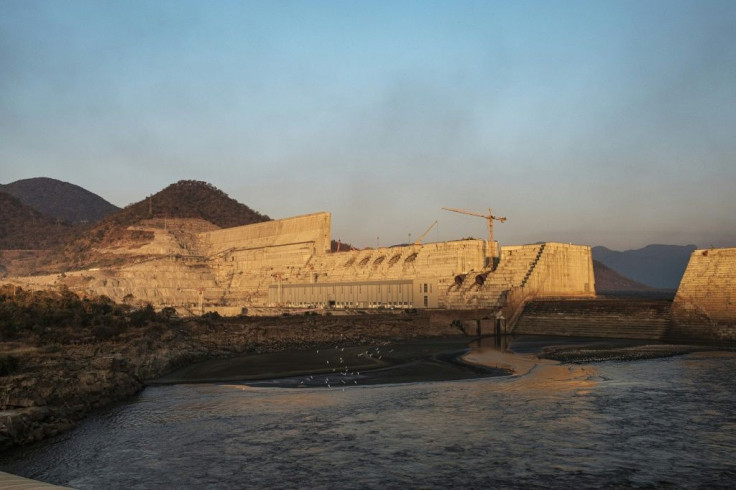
(51, 387)
(600, 352)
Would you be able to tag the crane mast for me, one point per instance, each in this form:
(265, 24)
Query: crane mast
(419, 241)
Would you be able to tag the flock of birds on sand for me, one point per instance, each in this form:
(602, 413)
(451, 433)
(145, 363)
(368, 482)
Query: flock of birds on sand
(340, 367)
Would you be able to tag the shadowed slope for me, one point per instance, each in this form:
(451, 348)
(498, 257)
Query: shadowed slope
(59, 199)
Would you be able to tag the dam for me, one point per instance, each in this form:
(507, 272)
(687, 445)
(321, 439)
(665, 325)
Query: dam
(288, 263)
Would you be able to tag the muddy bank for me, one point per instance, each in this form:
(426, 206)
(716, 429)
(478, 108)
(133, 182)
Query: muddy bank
(333, 366)
(46, 389)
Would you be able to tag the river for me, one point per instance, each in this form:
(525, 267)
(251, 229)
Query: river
(652, 423)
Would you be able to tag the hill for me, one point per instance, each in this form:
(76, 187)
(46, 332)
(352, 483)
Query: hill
(659, 266)
(190, 199)
(59, 199)
(607, 279)
(186, 199)
(24, 228)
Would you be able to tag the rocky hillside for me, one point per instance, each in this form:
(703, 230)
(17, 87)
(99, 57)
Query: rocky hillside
(184, 199)
(60, 200)
(24, 228)
(190, 199)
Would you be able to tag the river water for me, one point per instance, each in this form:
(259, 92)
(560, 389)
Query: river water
(653, 423)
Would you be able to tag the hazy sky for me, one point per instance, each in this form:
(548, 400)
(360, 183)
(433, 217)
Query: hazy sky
(593, 122)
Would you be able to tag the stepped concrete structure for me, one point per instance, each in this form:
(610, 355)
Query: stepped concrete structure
(610, 318)
(705, 303)
(287, 263)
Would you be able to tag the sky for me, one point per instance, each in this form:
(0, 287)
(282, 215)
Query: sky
(599, 123)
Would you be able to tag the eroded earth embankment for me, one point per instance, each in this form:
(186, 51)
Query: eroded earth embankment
(45, 389)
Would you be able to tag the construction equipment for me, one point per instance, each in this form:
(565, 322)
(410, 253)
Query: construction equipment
(488, 216)
(419, 240)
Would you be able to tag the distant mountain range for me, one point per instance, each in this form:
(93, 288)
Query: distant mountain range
(658, 266)
(59, 199)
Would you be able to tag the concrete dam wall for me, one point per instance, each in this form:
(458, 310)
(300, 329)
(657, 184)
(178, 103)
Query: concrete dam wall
(288, 263)
(705, 303)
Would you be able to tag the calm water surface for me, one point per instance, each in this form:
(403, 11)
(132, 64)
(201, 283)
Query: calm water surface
(663, 422)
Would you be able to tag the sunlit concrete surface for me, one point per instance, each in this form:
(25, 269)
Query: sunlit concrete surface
(288, 263)
(8, 481)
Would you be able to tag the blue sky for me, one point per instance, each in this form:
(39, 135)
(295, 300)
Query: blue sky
(601, 123)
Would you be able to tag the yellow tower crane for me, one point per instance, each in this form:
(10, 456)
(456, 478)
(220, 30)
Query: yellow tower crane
(419, 241)
(488, 216)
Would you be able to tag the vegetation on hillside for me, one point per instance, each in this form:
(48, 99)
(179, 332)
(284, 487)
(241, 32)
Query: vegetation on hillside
(190, 199)
(61, 317)
(24, 228)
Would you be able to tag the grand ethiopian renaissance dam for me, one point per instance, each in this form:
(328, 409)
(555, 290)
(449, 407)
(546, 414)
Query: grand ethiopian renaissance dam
(291, 264)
